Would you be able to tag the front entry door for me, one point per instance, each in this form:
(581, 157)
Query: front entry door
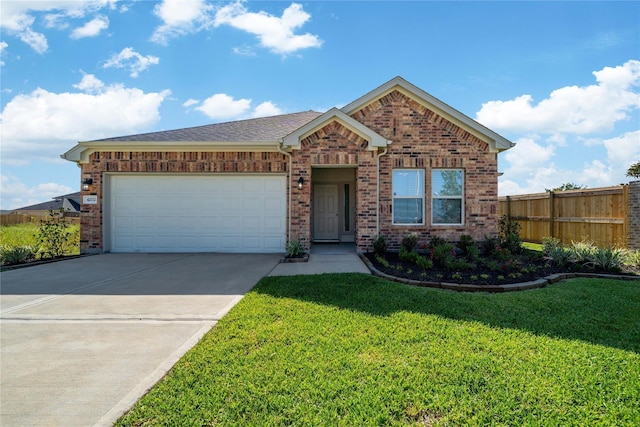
(326, 212)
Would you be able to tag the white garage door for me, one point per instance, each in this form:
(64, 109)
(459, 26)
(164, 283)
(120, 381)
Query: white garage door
(197, 213)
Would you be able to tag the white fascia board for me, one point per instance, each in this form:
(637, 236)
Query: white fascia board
(496, 142)
(375, 140)
(81, 152)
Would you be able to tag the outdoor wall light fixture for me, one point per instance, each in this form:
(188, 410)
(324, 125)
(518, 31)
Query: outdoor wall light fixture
(86, 183)
(300, 182)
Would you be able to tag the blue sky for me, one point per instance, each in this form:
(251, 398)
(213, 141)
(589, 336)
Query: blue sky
(561, 79)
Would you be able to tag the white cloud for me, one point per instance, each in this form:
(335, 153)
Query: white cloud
(527, 156)
(274, 33)
(223, 106)
(180, 17)
(3, 46)
(190, 102)
(17, 17)
(571, 109)
(622, 152)
(129, 58)
(17, 194)
(91, 28)
(45, 124)
(266, 109)
(89, 83)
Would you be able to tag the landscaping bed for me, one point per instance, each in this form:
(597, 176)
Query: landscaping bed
(495, 261)
(527, 267)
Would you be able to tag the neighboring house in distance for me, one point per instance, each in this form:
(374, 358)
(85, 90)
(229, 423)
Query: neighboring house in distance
(69, 202)
(393, 162)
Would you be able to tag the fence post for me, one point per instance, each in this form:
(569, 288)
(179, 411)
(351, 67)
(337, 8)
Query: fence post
(551, 214)
(508, 200)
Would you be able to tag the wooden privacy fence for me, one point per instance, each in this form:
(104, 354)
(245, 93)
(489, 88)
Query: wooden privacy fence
(19, 218)
(600, 215)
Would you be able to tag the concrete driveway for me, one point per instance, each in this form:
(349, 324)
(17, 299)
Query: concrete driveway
(82, 340)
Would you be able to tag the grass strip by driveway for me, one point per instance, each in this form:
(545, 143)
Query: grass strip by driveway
(350, 349)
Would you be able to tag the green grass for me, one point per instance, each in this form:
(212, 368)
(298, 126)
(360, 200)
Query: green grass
(353, 350)
(12, 236)
(532, 246)
(18, 235)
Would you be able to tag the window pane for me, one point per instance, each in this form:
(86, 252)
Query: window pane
(408, 183)
(447, 211)
(407, 211)
(447, 182)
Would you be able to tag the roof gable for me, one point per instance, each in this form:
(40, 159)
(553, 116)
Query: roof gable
(496, 142)
(294, 139)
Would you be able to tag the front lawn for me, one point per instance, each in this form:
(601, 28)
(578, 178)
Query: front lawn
(351, 349)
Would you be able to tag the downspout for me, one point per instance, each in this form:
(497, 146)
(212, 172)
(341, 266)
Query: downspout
(378, 189)
(290, 189)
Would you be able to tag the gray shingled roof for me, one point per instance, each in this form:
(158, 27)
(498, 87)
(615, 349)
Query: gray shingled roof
(70, 202)
(263, 129)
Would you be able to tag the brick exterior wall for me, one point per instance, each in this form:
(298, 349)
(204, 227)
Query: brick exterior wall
(424, 140)
(634, 215)
(91, 216)
(421, 139)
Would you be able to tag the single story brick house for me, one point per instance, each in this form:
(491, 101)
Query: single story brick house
(392, 162)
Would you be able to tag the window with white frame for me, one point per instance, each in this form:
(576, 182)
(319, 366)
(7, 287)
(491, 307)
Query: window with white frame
(447, 197)
(408, 196)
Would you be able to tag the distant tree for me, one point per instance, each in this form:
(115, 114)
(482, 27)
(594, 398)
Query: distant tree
(566, 186)
(634, 170)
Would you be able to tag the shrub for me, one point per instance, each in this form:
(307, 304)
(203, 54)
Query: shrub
(409, 242)
(632, 259)
(509, 232)
(408, 256)
(468, 247)
(442, 254)
(559, 255)
(582, 251)
(436, 241)
(550, 244)
(609, 259)
(380, 244)
(295, 248)
(17, 254)
(459, 264)
(489, 245)
(424, 263)
(54, 237)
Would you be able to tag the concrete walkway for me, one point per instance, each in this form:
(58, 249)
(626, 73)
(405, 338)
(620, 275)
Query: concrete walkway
(325, 258)
(82, 340)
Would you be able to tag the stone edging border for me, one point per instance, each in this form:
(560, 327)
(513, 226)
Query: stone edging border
(464, 287)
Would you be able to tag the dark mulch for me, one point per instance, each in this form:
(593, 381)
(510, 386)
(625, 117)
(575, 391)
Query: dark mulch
(523, 268)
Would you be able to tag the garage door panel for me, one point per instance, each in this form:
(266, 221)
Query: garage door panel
(199, 213)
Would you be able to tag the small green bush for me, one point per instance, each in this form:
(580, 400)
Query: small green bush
(442, 255)
(582, 251)
(17, 254)
(424, 263)
(409, 242)
(509, 232)
(632, 259)
(408, 256)
(380, 244)
(609, 259)
(55, 235)
(295, 248)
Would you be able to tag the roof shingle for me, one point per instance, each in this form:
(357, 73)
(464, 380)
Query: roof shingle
(263, 129)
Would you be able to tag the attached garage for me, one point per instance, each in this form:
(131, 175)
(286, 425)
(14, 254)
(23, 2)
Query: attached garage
(195, 213)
